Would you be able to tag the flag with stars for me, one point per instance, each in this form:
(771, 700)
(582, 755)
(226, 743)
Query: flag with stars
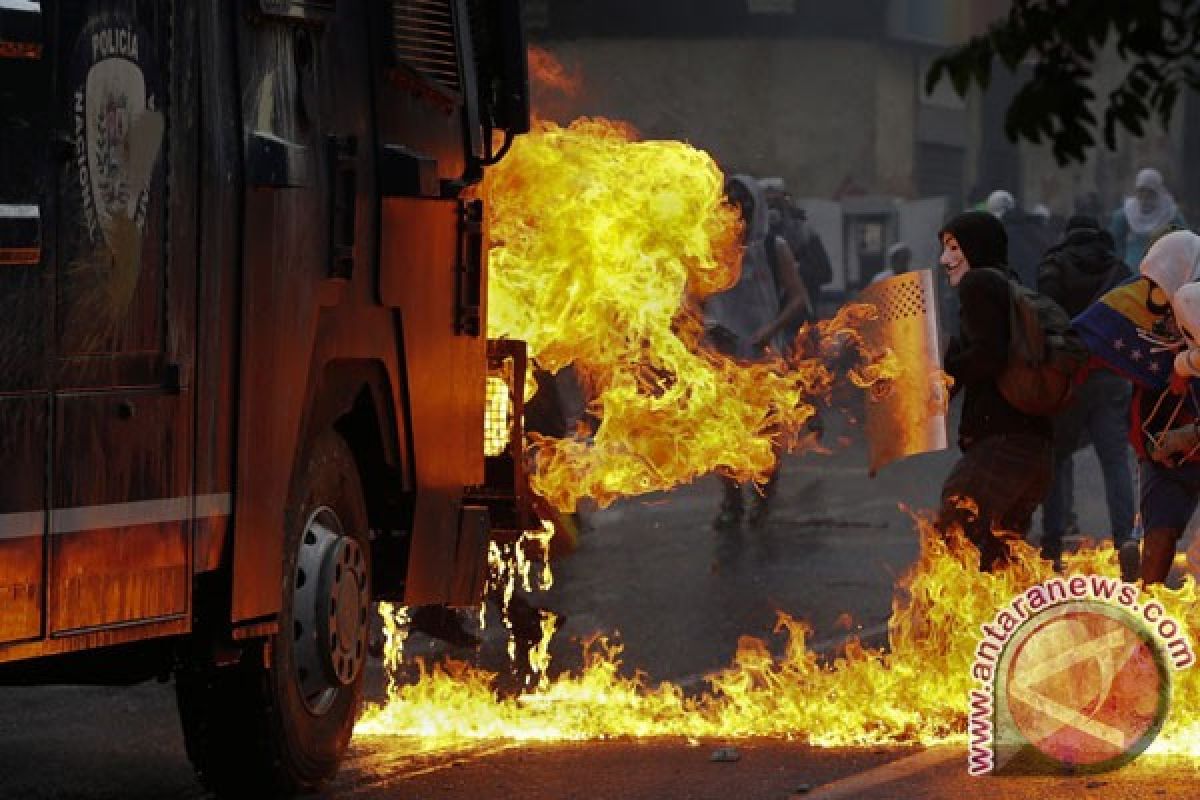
(1122, 331)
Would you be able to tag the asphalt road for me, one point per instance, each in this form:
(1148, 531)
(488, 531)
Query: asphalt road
(680, 594)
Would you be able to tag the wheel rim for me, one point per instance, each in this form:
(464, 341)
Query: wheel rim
(331, 597)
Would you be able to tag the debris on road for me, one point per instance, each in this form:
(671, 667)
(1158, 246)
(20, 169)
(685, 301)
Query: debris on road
(725, 754)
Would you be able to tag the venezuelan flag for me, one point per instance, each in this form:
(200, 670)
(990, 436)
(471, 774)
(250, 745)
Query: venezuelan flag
(1123, 331)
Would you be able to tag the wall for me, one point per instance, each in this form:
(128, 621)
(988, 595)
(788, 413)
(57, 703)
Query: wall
(828, 115)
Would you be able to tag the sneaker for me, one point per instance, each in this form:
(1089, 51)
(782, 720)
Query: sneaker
(1130, 557)
(1053, 554)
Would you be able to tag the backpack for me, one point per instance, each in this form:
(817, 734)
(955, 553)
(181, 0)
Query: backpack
(1044, 354)
(811, 258)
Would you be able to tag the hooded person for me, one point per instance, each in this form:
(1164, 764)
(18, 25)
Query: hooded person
(1134, 330)
(1000, 203)
(1081, 267)
(1186, 305)
(1006, 463)
(1075, 273)
(1149, 209)
(1167, 429)
(1172, 261)
(747, 319)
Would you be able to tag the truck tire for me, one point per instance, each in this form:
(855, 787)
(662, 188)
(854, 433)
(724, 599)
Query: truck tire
(278, 722)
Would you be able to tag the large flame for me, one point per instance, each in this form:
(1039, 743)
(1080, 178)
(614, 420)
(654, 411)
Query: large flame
(602, 246)
(912, 693)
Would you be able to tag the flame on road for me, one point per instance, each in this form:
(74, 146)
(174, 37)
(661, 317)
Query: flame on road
(913, 693)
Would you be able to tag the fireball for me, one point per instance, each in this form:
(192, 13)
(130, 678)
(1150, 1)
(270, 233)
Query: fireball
(603, 249)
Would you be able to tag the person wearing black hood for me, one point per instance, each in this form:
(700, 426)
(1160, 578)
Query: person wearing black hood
(1075, 273)
(1006, 464)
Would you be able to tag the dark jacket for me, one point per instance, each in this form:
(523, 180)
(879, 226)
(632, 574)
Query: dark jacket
(812, 261)
(977, 356)
(1077, 270)
(1028, 238)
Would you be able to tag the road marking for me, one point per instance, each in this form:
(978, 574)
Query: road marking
(385, 771)
(855, 785)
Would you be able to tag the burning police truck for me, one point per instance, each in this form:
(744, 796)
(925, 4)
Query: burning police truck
(242, 349)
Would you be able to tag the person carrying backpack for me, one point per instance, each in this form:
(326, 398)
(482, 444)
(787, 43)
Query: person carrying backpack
(748, 319)
(1075, 273)
(812, 260)
(790, 222)
(1007, 457)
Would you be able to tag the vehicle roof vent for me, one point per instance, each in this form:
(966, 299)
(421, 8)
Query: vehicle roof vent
(423, 38)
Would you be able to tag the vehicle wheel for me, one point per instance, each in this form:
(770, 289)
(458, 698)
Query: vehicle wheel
(279, 721)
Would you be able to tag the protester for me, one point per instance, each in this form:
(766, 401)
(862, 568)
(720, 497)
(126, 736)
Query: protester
(1000, 203)
(1075, 273)
(789, 221)
(748, 318)
(1149, 209)
(899, 259)
(1006, 463)
(1132, 331)
(1028, 236)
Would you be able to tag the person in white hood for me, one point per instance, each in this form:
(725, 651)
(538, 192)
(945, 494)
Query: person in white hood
(1166, 423)
(1172, 261)
(1150, 209)
(1186, 304)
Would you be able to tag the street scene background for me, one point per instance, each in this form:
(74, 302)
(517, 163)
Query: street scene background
(678, 595)
(828, 100)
